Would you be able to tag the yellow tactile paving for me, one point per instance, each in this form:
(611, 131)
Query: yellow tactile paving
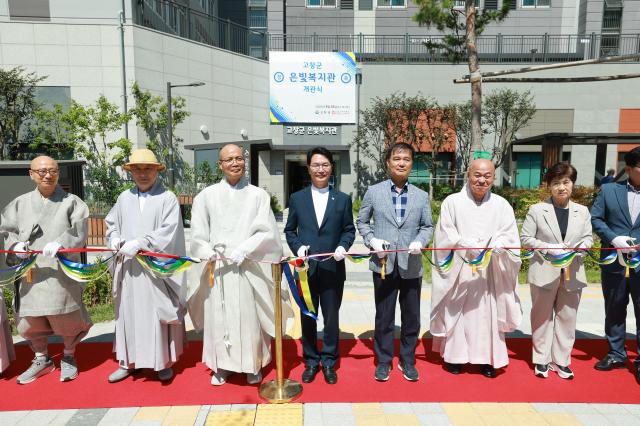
(560, 419)
(367, 420)
(151, 413)
(487, 407)
(466, 420)
(279, 415)
(518, 408)
(231, 418)
(184, 415)
(367, 409)
(402, 420)
(496, 419)
(458, 409)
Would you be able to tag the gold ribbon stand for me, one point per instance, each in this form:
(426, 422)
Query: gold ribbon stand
(280, 390)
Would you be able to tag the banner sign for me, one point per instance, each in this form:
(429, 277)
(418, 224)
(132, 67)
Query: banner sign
(312, 87)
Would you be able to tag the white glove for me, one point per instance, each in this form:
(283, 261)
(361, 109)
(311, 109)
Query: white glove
(50, 249)
(415, 247)
(472, 245)
(303, 251)
(555, 249)
(130, 248)
(339, 253)
(20, 246)
(378, 245)
(114, 244)
(237, 256)
(581, 253)
(498, 246)
(622, 243)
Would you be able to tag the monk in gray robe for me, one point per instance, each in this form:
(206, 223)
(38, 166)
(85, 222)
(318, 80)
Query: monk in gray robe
(47, 301)
(150, 331)
(233, 226)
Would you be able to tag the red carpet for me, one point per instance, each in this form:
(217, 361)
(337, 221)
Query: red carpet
(191, 386)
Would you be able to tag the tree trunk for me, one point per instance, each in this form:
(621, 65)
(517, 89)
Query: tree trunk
(476, 83)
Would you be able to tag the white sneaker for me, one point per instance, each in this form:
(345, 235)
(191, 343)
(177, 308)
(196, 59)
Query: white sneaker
(254, 379)
(219, 378)
(563, 372)
(541, 370)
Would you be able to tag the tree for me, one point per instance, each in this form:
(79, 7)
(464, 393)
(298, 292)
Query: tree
(92, 127)
(454, 22)
(150, 113)
(416, 120)
(506, 112)
(17, 105)
(463, 135)
(52, 133)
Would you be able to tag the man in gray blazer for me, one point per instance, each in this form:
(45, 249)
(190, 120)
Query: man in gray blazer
(401, 220)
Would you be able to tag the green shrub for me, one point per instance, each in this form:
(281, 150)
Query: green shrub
(356, 206)
(98, 292)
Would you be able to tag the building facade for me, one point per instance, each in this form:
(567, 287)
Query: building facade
(79, 48)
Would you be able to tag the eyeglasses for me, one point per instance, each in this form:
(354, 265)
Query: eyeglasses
(232, 159)
(316, 166)
(43, 172)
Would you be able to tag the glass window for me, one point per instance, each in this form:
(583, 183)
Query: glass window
(536, 3)
(459, 4)
(391, 3)
(321, 3)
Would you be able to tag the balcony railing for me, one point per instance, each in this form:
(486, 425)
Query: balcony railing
(180, 20)
(612, 20)
(177, 19)
(492, 49)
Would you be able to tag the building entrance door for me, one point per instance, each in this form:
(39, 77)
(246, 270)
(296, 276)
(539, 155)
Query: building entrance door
(528, 169)
(297, 177)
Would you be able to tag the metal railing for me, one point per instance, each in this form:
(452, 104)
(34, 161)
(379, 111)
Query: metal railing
(496, 48)
(174, 18)
(177, 19)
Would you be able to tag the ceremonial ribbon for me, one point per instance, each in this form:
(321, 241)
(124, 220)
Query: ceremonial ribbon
(19, 270)
(444, 266)
(165, 268)
(631, 262)
(296, 289)
(480, 262)
(83, 272)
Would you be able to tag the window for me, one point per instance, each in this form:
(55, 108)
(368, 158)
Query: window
(459, 4)
(391, 3)
(321, 3)
(536, 3)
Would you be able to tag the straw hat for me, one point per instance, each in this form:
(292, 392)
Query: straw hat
(143, 156)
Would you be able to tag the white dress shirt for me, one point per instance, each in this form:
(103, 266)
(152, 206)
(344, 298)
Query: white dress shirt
(320, 198)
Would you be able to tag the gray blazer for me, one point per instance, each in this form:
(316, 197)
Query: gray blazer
(541, 227)
(416, 226)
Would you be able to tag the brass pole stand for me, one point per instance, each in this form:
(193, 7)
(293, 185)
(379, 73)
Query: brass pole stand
(280, 390)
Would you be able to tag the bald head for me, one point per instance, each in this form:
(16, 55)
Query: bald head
(232, 163)
(44, 172)
(481, 174)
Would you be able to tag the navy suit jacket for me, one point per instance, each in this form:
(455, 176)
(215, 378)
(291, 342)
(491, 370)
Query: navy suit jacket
(610, 218)
(337, 228)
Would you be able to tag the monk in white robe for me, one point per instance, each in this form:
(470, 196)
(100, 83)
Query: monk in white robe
(233, 226)
(150, 330)
(47, 302)
(471, 310)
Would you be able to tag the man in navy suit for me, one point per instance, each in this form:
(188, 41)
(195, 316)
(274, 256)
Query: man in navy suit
(616, 219)
(321, 221)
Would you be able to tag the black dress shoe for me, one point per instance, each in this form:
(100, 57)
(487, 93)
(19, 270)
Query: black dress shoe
(608, 363)
(330, 375)
(637, 374)
(488, 371)
(453, 368)
(309, 373)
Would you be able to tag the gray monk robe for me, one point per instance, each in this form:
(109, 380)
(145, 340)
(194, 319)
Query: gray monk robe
(237, 313)
(36, 220)
(150, 331)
